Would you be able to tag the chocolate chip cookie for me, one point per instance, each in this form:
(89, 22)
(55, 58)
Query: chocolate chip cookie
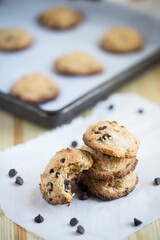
(110, 189)
(107, 167)
(77, 63)
(14, 39)
(60, 18)
(122, 40)
(35, 88)
(62, 169)
(111, 139)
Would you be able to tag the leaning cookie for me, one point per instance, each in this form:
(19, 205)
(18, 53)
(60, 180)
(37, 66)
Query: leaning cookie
(62, 169)
(12, 39)
(111, 139)
(107, 167)
(122, 40)
(112, 189)
(35, 88)
(77, 63)
(60, 18)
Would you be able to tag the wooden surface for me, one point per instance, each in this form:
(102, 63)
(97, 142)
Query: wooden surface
(14, 131)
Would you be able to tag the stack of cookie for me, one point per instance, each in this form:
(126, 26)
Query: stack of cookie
(114, 151)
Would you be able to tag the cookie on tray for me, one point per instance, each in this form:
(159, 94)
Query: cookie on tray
(58, 175)
(111, 139)
(108, 167)
(12, 39)
(77, 63)
(35, 88)
(110, 189)
(60, 18)
(122, 40)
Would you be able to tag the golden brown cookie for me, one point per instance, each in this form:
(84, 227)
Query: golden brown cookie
(35, 88)
(122, 40)
(111, 139)
(60, 18)
(110, 189)
(14, 39)
(62, 169)
(77, 63)
(107, 167)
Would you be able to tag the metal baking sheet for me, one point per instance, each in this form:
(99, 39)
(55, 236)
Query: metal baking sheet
(76, 92)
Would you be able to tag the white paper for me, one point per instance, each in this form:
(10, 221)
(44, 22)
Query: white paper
(101, 219)
(49, 44)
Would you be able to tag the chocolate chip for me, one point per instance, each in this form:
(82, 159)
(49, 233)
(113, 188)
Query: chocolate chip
(140, 111)
(38, 219)
(82, 187)
(50, 199)
(157, 181)
(73, 222)
(102, 128)
(74, 144)
(66, 184)
(49, 186)
(99, 140)
(110, 107)
(106, 136)
(137, 222)
(80, 229)
(19, 180)
(12, 172)
(83, 196)
(62, 160)
(96, 132)
(51, 170)
(57, 174)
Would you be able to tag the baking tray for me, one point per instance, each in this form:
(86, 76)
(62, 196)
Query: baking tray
(77, 93)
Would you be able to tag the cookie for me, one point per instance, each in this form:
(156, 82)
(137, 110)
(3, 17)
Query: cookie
(108, 167)
(77, 63)
(110, 189)
(14, 39)
(111, 139)
(122, 40)
(60, 18)
(35, 88)
(62, 169)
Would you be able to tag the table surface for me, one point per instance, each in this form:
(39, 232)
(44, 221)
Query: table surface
(14, 130)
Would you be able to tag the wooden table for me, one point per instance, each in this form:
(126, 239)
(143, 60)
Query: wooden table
(14, 130)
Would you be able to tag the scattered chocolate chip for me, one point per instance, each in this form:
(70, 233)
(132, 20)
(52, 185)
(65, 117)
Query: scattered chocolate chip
(157, 181)
(140, 111)
(12, 172)
(66, 184)
(102, 128)
(80, 229)
(19, 180)
(82, 187)
(96, 132)
(49, 186)
(74, 144)
(99, 140)
(62, 160)
(110, 107)
(83, 196)
(137, 222)
(57, 174)
(38, 219)
(51, 170)
(106, 136)
(73, 222)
